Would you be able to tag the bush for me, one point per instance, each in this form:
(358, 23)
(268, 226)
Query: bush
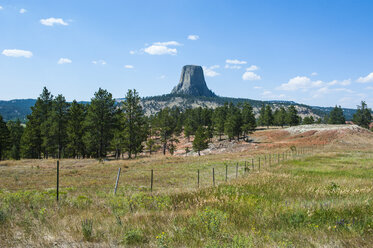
(133, 237)
(87, 229)
(2, 217)
(212, 220)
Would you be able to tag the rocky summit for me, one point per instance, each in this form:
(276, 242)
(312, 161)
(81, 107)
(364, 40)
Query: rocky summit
(192, 82)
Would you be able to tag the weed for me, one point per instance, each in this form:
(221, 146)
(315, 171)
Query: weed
(134, 237)
(87, 229)
(3, 217)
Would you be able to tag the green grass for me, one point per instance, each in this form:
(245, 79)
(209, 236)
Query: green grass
(323, 200)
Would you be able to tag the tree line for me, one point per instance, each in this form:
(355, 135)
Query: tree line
(58, 129)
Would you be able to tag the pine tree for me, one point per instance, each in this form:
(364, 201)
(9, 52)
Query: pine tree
(292, 116)
(33, 141)
(280, 116)
(57, 120)
(188, 129)
(268, 116)
(219, 118)
(75, 130)
(4, 138)
(16, 131)
(233, 123)
(101, 121)
(261, 119)
(308, 120)
(166, 125)
(336, 116)
(135, 131)
(248, 120)
(200, 141)
(363, 115)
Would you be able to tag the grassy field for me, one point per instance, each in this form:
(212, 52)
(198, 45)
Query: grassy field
(323, 199)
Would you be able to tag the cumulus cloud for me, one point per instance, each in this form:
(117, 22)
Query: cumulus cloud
(235, 62)
(251, 76)
(22, 11)
(17, 53)
(162, 48)
(210, 71)
(193, 37)
(366, 79)
(228, 66)
(132, 52)
(300, 83)
(64, 61)
(252, 68)
(1, 7)
(99, 62)
(343, 83)
(129, 66)
(53, 21)
(314, 74)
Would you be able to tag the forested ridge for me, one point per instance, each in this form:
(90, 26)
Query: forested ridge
(105, 127)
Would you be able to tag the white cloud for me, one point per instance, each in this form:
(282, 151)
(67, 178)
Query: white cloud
(99, 62)
(167, 43)
(257, 87)
(51, 21)
(1, 7)
(210, 71)
(300, 82)
(227, 66)
(369, 88)
(160, 50)
(343, 83)
(17, 53)
(129, 66)
(193, 37)
(132, 52)
(22, 11)
(367, 79)
(64, 61)
(235, 62)
(252, 68)
(270, 95)
(314, 74)
(249, 75)
(162, 77)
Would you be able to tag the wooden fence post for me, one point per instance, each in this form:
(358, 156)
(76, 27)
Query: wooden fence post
(259, 164)
(116, 183)
(151, 181)
(236, 170)
(252, 164)
(226, 172)
(198, 178)
(58, 179)
(213, 177)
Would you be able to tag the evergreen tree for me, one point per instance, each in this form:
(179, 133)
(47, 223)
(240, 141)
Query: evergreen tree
(233, 123)
(219, 118)
(4, 138)
(261, 119)
(200, 141)
(268, 116)
(101, 121)
(75, 130)
(166, 125)
(16, 131)
(33, 141)
(135, 131)
(188, 128)
(292, 117)
(336, 116)
(363, 116)
(308, 120)
(280, 116)
(57, 120)
(248, 120)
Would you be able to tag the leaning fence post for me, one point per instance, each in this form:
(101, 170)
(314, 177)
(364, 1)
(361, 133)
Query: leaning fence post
(151, 181)
(213, 177)
(226, 172)
(198, 178)
(58, 179)
(116, 183)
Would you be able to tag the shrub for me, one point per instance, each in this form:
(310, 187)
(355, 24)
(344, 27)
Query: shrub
(87, 229)
(2, 217)
(133, 237)
(212, 221)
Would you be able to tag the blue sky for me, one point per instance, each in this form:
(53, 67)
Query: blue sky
(310, 51)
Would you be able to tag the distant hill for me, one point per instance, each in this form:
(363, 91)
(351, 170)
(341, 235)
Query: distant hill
(16, 109)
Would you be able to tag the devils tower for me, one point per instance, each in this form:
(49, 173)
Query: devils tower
(192, 82)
